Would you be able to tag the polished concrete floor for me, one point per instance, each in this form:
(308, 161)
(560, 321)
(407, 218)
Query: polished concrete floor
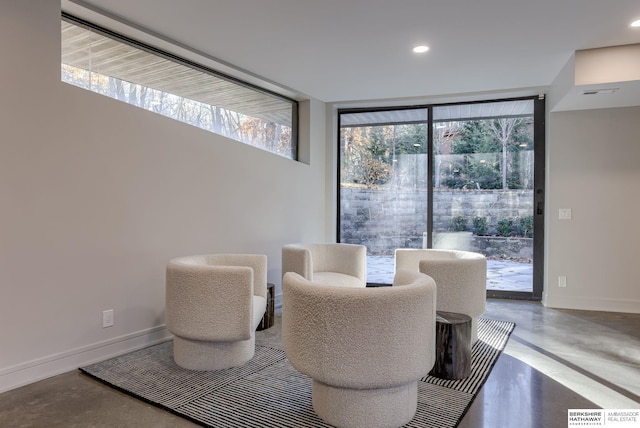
(555, 360)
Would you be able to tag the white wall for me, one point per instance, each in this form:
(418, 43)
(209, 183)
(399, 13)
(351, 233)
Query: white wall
(97, 196)
(594, 168)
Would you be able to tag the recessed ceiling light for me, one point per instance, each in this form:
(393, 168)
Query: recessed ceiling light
(636, 23)
(421, 49)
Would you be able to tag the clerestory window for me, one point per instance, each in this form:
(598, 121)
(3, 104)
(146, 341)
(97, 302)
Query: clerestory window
(101, 61)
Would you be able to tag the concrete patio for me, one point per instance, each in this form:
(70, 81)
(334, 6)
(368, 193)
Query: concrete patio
(501, 274)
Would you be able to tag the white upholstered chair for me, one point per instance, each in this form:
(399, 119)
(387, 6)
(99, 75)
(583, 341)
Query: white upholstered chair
(343, 265)
(364, 348)
(460, 276)
(213, 305)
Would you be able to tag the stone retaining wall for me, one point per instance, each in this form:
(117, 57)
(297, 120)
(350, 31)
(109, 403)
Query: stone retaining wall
(389, 218)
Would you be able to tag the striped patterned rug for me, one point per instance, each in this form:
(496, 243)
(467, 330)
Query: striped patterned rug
(269, 392)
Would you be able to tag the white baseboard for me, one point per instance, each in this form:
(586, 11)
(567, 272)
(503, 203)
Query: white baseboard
(35, 370)
(593, 304)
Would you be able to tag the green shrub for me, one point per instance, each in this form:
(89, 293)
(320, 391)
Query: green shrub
(459, 224)
(505, 227)
(526, 226)
(480, 226)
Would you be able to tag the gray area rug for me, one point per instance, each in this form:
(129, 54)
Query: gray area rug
(269, 392)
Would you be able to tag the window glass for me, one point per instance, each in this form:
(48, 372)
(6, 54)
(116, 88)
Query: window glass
(451, 176)
(128, 71)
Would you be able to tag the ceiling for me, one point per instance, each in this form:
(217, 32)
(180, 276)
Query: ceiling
(349, 50)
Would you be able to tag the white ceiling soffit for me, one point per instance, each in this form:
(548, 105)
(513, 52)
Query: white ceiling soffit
(91, 51)
(384, 117)
(598, 78)
(446, 113)
(518, 108)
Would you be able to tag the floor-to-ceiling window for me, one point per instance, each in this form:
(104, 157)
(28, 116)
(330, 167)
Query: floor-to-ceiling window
(456, 176)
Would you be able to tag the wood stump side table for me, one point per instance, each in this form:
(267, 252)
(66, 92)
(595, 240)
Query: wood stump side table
(453, 346)
(268, 318)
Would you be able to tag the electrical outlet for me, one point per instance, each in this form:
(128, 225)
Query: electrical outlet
(562, 281)
(107, 318)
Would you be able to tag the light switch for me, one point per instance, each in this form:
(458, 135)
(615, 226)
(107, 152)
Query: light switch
(564, 214)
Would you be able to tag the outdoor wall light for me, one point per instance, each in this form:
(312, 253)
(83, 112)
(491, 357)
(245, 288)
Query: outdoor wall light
(636, 23)
(421, 49)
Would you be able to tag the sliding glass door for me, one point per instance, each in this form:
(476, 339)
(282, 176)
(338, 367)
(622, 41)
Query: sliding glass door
(457, 176)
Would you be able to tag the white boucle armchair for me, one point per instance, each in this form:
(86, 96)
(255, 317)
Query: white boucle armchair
(214, 304)
(364, 348)
(338, 264)
(460, 276)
